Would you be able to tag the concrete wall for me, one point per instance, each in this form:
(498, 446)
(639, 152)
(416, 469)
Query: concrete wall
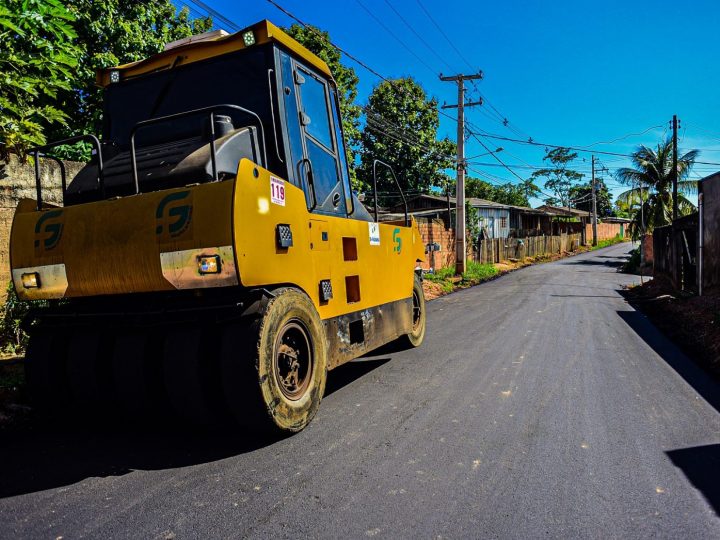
(17, 181)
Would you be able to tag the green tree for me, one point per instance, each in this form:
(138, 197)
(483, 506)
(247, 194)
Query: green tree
(479, 189)
(529, 189)
(558, 178)
(111, 33)
(652, 172)
(37, 63)
(401, 129)
(581, 198)
(318, 42)
(513, 194)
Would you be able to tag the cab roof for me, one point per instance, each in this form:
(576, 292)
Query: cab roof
(263, 31)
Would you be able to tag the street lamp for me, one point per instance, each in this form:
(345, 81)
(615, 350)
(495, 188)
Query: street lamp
(486, 154)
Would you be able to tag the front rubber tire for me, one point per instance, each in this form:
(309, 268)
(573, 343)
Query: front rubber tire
(261, 388)
(419, 316)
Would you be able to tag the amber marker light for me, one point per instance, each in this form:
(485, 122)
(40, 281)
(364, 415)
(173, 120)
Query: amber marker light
(209, 264)
(31, 280)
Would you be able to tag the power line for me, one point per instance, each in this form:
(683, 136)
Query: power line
(400, 41)
(442, 32)
(417, 34)
(216, 15)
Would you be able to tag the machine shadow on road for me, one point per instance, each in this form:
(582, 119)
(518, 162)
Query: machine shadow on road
(701, 466)
(49, 452)
(689, 371)
(612, 262)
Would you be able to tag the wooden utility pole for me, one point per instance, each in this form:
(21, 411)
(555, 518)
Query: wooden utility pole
(594, 205)
(460, 241)
(675, 170)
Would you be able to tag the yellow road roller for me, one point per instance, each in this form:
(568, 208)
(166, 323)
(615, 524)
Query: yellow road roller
(212, 254)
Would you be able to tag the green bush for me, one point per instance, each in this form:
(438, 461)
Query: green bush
(441, 274)
(12, 338)
(632, 266)
(479, 272)
(611, 242)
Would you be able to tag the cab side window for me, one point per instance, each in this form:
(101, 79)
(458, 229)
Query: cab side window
(320, 145)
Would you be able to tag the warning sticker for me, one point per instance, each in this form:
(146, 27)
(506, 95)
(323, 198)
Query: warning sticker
(277, 191)
(374, 232)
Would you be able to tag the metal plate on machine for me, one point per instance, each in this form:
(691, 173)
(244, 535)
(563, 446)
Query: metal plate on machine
(181, 269)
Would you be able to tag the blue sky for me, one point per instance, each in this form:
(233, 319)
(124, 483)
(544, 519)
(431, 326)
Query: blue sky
(564, 73)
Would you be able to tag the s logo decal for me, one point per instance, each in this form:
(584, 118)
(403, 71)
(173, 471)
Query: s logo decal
(397, 241)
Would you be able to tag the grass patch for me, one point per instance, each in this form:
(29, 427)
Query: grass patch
(477, 272)
(607, 243)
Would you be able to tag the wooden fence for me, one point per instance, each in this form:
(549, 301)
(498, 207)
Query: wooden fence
(495, 250)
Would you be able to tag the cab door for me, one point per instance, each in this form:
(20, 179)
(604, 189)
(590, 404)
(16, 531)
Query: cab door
(316, 145)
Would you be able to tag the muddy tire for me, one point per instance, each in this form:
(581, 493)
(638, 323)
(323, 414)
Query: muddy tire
(275, 366)
(419, 316)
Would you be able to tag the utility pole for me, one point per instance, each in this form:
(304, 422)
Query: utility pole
(675, 170)
(594, 203)
(460, 241)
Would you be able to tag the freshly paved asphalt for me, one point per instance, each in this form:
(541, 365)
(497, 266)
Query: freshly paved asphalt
(540, 405)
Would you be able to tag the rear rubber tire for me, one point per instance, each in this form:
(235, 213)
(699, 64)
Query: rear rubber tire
(275, 367)
(45, 369)
(89, 371)
(191, 374)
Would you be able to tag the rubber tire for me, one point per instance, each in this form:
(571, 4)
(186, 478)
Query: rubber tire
(191, 374)
(416, 337)
(45, 369)
(137, 373)
(89, 371)
(251, 390)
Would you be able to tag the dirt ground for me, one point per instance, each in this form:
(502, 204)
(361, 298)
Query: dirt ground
(692, 322)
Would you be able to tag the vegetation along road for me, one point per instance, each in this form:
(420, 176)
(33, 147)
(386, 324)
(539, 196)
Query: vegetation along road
(540, 404)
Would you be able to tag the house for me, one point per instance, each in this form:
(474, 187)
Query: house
(496, 220)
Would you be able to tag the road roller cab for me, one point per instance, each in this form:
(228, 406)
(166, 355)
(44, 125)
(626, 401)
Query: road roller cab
(214, 228)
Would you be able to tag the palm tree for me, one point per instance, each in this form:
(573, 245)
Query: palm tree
(650, 180)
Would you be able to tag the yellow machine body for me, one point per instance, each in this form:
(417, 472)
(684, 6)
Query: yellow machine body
(246, 231)
(155, 242)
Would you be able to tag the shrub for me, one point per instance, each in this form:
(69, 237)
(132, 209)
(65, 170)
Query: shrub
(13, 339)
(479, 272)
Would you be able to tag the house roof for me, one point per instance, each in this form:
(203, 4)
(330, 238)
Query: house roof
(613, 219)
(563, 211)
(478, 203)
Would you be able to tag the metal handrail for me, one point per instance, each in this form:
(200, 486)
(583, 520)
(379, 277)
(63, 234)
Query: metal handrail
(41, 151)
(375, 191)
(211, 110)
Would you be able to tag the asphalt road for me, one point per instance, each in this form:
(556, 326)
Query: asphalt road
(540, 405)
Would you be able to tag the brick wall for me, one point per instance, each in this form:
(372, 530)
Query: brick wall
(606, 231)
(648, 253)
(17, 181)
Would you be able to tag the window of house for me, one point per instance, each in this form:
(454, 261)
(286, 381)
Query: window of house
(503, 222)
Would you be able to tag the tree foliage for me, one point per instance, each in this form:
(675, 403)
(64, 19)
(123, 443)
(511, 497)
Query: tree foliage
(111, 33)
(401, 129)
(581, 197)
(513, 194)
(559, 177)
(318, 42)
(50, 51)
(38, 61)
(651, 178)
